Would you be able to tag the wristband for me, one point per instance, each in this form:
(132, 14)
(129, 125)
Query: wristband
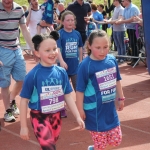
(121, 99)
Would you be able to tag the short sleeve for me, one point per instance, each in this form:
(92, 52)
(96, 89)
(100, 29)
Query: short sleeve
(66, 83)
(22, 19)
(82, 77)
(28, 87)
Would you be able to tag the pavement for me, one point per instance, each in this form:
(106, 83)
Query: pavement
(135, 118)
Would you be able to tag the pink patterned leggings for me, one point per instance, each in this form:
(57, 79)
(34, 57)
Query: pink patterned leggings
(46, 128)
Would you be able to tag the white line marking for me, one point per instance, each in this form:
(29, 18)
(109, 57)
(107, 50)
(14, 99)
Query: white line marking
(8, 131)
(136, 129)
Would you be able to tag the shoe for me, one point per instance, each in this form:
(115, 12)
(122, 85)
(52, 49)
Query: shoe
(130, 63)
(15, 110)
(8, 116)
(63, 114)
(91, 147)
(121, 61)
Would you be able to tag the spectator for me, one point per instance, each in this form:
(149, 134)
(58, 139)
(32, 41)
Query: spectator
(34, 17)
(108, 10)
(101, 9)
(56, 6)
(61, 9)
(118, 30)
(96, 15)
(11, 55)
(130, 11)
(47, 16)
(81, 10)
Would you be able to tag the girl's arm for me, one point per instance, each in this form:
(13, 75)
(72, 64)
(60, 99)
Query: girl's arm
(24, 132)
(80, 54)
(120, 95)
(79, 102)
(72, 106)
(62, 63)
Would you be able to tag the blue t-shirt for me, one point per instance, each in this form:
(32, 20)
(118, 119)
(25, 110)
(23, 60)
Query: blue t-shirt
(131, 11)
(69, 43)
(48, 11)
(97, 80)
(98, 17)
(90, 27)
(39, 77)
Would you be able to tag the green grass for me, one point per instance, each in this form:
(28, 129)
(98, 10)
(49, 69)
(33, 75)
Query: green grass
(25, 2)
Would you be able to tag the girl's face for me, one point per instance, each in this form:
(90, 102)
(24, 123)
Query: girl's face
(99, 48)
(47, 52)
(69, 22)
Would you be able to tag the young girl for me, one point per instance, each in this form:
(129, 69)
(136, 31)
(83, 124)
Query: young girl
(97, 84)
(47, 8)
(70, 46)
(45, 88)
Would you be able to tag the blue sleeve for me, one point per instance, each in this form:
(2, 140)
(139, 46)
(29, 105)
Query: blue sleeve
(66, 83)
(28, 87)
(82, 77)
(118, 76)
(135, 12)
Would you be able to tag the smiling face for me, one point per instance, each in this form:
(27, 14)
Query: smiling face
(99, 48)
(47, 52)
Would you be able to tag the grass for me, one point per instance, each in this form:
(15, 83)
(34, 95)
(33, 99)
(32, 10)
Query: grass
(25, 2)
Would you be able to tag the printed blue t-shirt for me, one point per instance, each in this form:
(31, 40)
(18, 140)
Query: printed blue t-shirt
(97, 80)
(39, 77)
(69, 43)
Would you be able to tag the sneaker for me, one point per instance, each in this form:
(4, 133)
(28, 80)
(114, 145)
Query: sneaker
(15, 110)
(8, 116)
(121, 61)
(91, 147)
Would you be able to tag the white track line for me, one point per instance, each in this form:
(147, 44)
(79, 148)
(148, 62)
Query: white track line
(8, 131)
(132, 128)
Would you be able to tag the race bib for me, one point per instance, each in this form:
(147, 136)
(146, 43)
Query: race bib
(52, 99)
(106, 80)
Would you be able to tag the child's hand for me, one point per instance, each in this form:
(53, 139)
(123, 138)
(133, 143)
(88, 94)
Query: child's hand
(1, 64)
(82, 114)
(121, 105)
(24, 133)
(64, 65)
(81, 123)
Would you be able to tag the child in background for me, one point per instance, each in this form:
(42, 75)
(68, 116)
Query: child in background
(90, 27)
(70, 46)
(45, 88)
(47, 18)
(98, 81)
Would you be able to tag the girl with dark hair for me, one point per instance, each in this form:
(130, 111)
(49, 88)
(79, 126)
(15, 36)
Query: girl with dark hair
(46, 88)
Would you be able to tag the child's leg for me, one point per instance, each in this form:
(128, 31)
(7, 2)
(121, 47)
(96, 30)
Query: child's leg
(46, 128)
(107, 140)
(114, 137)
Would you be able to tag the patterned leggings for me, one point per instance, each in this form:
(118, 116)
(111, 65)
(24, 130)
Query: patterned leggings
(46, 128)
(103, 139)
